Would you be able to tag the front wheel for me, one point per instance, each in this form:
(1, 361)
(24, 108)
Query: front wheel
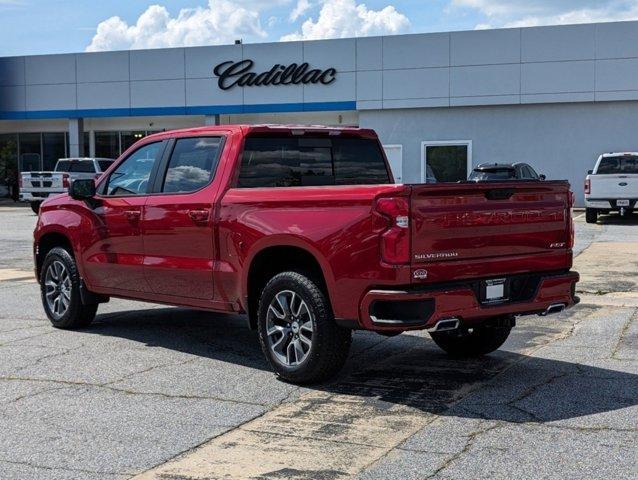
(297, 331)
(60, 289)
(35, 207)
(471, 342)
(591, 215)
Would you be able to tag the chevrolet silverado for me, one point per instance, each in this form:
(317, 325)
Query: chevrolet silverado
(302, 229)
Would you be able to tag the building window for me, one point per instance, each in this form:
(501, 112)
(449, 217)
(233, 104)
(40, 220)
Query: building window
(129, 138)
(446, 161)
(8, 164)
(107, 144)
(53, 148)
(30, 148)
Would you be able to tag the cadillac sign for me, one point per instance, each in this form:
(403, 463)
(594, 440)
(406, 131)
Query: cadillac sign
(232, 74)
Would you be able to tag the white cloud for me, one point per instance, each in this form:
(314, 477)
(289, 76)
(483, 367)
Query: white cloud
(346, 18)
(221, 21)
(301, 8)
(521, 13)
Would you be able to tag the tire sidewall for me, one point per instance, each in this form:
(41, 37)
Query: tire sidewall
(319, 312)
(61, 255)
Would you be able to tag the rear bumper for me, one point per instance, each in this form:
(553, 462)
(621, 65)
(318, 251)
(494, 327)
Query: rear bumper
(422, 309)
(610, 203)
(37, 196)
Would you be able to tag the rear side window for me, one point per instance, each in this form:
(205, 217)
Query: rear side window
(618, 165)
(306, 161)
(192, 164)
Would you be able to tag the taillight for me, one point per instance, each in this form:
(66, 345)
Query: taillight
(571, 233)
(19, 180)
(395, 240)
(65, 180)
(587, 186)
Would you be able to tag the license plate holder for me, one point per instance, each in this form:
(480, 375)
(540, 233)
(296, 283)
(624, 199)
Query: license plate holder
(494, 290)
(622, 203)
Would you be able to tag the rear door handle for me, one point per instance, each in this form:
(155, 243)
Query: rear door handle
(199, 216)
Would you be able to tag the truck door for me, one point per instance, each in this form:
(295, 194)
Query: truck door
(178, 219)
(115, 258)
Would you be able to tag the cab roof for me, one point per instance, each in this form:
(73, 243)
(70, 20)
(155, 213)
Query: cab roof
(247, 129)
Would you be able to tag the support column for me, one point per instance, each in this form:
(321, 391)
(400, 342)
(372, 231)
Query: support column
(211, 120)
(76, 137)
(91, 143)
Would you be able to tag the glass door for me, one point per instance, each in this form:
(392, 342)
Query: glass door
(446, 161)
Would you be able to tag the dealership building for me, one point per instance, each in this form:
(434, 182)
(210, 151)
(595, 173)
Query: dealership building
(554, 97)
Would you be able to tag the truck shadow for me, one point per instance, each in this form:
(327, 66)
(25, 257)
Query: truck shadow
(405, 370)
(615, 219)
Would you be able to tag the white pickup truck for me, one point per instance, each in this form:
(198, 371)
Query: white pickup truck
(612, 185)
(35, 187)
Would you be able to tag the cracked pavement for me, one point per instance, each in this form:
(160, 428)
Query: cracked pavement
(154, 392)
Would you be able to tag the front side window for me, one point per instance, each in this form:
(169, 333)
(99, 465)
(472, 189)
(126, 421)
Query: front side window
(306, 161)
(132, 176)
(530, 173)
(192, 164)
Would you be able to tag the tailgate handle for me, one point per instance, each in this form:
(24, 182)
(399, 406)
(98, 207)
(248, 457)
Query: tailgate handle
(499, 194)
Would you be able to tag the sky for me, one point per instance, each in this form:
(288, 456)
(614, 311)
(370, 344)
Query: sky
(30, 27)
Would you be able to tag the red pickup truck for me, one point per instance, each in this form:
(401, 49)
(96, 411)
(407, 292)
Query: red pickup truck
(302, 229)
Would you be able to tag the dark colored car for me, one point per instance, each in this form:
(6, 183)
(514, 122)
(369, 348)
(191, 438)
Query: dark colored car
(304, 230)
(499, 172)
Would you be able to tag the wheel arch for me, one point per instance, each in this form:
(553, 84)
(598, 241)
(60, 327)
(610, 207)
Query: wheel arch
(48, 241)
(272, 259)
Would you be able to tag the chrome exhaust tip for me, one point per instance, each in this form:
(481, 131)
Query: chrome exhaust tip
(445, 325)
(554, 308)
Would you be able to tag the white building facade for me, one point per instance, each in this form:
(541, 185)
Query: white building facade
(554, 97)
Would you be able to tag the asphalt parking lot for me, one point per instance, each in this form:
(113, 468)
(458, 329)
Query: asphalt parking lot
(164, 393)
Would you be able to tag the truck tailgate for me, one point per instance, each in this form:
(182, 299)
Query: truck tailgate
(613, 186)
(470, 221)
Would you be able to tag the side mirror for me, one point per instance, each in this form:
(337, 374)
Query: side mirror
(589, 172)
(542, 177)
(82, 189)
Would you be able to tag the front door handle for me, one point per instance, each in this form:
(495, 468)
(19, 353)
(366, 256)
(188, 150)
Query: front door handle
(133, 215)
(199, 216)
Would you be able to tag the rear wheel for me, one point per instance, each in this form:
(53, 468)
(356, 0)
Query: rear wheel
(472, 342)
(297, 331)
(35, 206)
(591, 215)
(60, 289)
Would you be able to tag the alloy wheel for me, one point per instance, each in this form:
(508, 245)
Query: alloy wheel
(57, 289)
(289, 328)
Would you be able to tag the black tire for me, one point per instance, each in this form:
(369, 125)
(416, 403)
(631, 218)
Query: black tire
(471, 343)
(76, 314)
(591, 215)
(35, 206)
(330, 343)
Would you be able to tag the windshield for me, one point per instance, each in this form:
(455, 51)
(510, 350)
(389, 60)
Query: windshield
(492, 175)
(627, 164)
